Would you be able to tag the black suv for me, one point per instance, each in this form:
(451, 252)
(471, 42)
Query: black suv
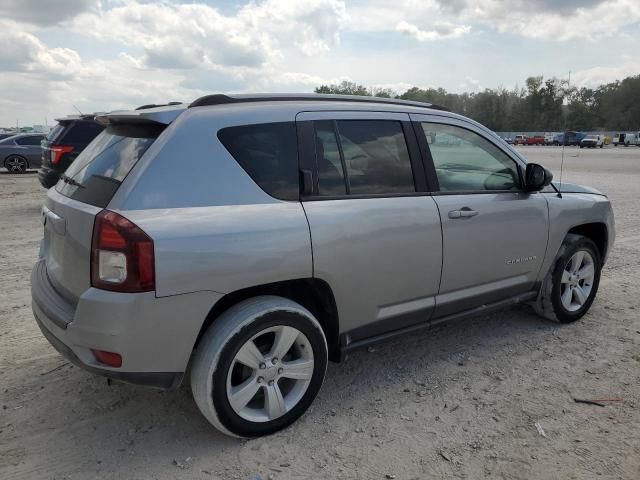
(64, 143)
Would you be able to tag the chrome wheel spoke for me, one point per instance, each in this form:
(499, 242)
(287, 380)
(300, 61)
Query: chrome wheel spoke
(580, 295)
(243, 394)
(298, 369)
(567, 296)
(250, 356)
(285, 336)
(566, 277)
(576, 261)
(274, 401)
(586, 272)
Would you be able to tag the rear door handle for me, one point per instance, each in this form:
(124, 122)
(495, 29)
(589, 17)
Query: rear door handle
(464, 212)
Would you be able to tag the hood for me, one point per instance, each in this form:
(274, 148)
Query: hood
(572, 188)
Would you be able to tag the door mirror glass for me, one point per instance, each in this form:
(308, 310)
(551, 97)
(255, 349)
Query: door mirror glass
(537, 177)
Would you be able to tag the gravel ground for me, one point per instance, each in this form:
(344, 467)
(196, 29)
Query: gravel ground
(461, 400)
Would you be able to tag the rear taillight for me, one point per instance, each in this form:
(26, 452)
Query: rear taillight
(121, 255)
(57, 151)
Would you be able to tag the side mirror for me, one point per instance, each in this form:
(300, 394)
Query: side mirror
(536, 177)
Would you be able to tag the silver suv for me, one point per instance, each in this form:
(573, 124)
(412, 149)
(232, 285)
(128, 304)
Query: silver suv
(244, 241)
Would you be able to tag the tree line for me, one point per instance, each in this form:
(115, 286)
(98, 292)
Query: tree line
(541, 105)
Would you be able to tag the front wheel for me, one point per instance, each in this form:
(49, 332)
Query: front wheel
(16, 164)
(572, 283)
(259, 366)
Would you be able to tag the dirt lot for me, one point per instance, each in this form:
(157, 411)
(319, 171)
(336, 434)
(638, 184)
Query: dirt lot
(460, 400)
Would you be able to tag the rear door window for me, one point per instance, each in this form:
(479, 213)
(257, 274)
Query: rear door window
(94, 177)
(370, 157)
(268, 152)
(30, 140)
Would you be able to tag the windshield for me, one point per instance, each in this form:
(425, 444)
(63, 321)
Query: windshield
(94, 177)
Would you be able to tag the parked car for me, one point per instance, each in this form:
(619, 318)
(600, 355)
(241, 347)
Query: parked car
(64, 143)
(548, 138)
(520, 140)
(249, 239)
(592, 141)
(509, 140)
(573, 138)
(21, 152)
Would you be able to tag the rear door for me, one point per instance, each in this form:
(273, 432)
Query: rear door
(30, 148)
(494, 233)
(375, 231)
(72, 205)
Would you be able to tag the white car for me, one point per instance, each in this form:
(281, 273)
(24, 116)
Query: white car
(592, 141)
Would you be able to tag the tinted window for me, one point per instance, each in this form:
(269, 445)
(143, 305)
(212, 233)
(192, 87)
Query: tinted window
(465, 161)
(82, 132)
(328, 160)
(101, 167)
(373, 152)
(30, 140)
(269, 154)
(55, 131)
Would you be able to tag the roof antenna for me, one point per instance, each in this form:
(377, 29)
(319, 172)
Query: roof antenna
(77, 109)
(564, 142)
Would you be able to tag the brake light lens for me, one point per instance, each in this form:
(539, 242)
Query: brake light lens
(57, 151)
(122, 256)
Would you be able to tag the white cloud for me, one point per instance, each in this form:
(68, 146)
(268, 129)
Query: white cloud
(595, 76)
(436, 32)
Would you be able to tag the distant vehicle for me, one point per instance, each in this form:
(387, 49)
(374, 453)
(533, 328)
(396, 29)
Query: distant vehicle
(509, 140)
(548, 138)
(626, 139)
(21, 152)
(537, 140)
(520, 140)
(573, 138)
(64, 143)
(592, 141)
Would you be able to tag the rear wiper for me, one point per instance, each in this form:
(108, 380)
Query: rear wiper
(71, 181)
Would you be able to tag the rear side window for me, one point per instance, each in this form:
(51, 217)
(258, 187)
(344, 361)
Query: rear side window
(370, 157)
(82, 133)
(268, 152)
(94, 177)
(29, 141)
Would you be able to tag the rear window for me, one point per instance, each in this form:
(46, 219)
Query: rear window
(82, 133)
(55, 131)
(269, 154)
(94, 177)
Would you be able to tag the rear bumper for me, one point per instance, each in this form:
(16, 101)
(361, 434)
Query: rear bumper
(48, 177)
(154, 336)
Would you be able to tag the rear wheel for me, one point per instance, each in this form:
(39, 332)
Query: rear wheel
(16, 164)
(259, 366)
(571, 286)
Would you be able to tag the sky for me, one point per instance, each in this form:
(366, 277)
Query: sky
(101, 55)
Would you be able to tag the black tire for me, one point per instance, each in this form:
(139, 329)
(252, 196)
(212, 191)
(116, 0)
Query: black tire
(602, 145)
(549, 304)
(222, 341)
(16, 164)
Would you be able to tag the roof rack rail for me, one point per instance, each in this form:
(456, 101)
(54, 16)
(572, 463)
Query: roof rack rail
(222, 99)
(153, 105)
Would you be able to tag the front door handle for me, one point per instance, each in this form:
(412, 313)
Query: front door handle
(464, 212)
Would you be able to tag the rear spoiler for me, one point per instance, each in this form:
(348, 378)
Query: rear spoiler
(154, 115)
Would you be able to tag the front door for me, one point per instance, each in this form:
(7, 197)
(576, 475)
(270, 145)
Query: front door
(494, 234)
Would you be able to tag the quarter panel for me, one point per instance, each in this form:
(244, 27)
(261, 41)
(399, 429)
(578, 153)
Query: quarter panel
(226, 248)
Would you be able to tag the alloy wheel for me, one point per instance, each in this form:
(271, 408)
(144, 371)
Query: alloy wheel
(577, 280)
(16, 164)
(270, 373)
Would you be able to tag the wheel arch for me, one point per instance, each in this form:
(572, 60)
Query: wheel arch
(312, 293)
(596, 232)
(15, 155)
